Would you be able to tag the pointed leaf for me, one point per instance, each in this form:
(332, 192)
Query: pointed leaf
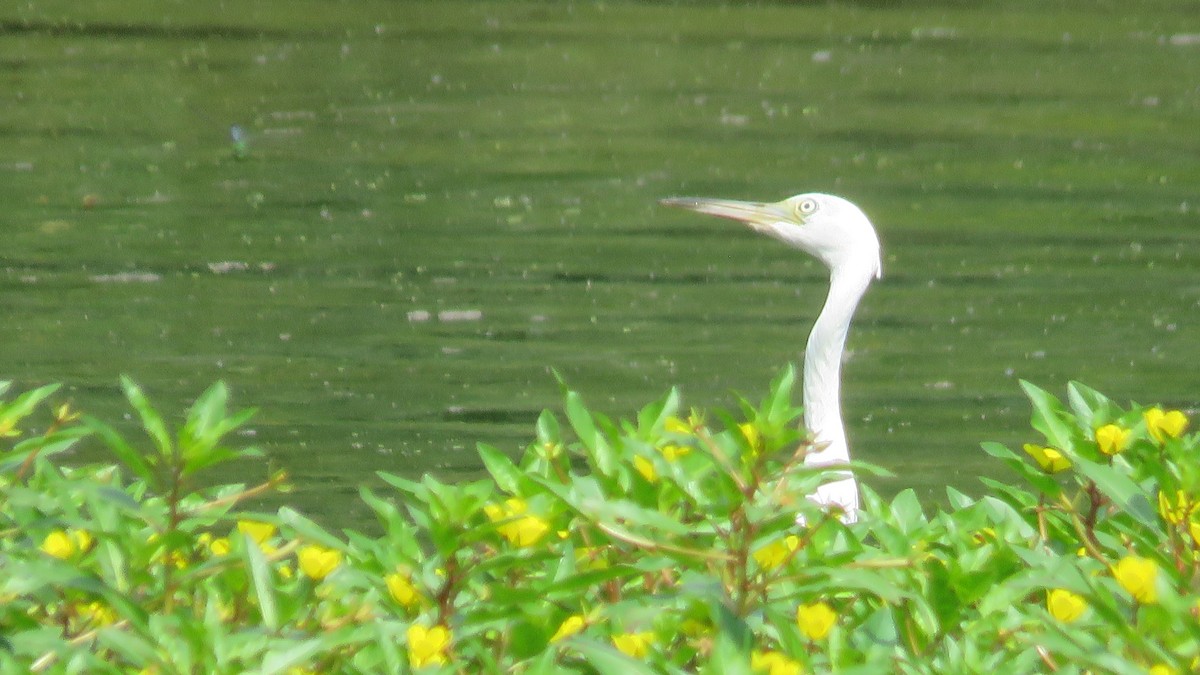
(607, 660)
(264, 586)
(308, 529)
(1048, 415)
(126, 453)
(152, 422)
(506, 474)
(581, 420)
(1120, 488)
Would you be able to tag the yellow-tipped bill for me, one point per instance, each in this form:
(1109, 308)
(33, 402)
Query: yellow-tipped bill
(755, 214)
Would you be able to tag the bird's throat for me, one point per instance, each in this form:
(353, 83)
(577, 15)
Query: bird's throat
(823, 369)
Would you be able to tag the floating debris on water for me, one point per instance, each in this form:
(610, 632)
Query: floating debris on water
(460, 315)
(227, 266)
(446, 315)
(1184, 39)
(934, 33)
(126, 278)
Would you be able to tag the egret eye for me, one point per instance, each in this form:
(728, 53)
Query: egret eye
(806, 207)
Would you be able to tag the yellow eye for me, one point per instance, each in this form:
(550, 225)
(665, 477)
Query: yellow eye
(806, 207)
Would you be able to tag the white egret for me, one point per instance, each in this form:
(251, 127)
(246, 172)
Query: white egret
(837, 233)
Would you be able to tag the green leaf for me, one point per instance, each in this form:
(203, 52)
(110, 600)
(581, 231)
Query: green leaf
(1048, 414)
(872, 582)
(620, 515)
(24, 404)
(298, 654)
(1044, 483)
(207, 411)
(652, 418)
(126, 453)
(411, 488)
(131, 647)
(778, 406)
(152, 422)
(607, 660)
(581, 420)
(264, 586)
(506, 474)
(1122, 490)
(308, 529)
(527, 639)
(958, 500)
(1092, 408)
(43, 446)
(548, 429)
(730, 625)
(880, 628)
(906, 509)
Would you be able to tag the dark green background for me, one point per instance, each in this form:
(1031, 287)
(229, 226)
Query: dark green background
(1031, 169)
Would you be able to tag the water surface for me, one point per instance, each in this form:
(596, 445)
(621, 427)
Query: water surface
(441, 201)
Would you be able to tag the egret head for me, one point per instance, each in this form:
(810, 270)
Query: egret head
(829, 228)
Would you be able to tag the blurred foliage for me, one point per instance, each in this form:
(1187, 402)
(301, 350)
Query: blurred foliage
(663, 543)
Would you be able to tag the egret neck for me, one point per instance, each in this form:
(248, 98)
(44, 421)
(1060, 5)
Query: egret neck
(822, 384)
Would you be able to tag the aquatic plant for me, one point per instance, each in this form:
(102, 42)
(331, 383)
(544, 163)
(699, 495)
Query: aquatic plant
(663, 543)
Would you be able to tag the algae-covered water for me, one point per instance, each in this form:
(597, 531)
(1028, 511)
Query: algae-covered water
(430, 205)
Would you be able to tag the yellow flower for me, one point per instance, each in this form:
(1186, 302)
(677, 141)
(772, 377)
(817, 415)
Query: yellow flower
(1111, 439)
(98, 613)
(773, 663)
(1194, 530)
(636, 645)
(1138, 576)
(1161, 669)
(495, 512)
(1165, 424)
(678, 426)
(1049, 459)
(63, 544)
(83, 539)
(570, 626)
(402, 590)
(815, 620)
(1065, 605)
(773, 554)
(1182, 509)
(589, 558)
(645, 467)
(984, 536)
(753, 438)
(316, 562)
(8, 427)
(258, 531)
(672, 452)
(527, 530)
(519, 529)
(428, 646)
(219, 546)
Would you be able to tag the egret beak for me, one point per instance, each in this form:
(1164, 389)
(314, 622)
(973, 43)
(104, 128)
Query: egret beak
(759, 216)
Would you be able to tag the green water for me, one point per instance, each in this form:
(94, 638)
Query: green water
(1031, 169)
